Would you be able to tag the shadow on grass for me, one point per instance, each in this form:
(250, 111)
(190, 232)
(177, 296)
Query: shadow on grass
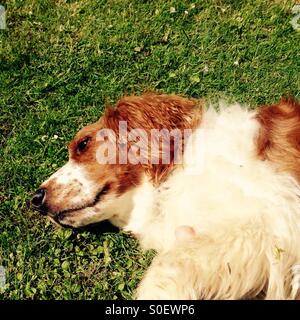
(99, 228)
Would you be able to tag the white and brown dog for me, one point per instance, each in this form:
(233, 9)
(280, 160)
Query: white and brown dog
(231, 175)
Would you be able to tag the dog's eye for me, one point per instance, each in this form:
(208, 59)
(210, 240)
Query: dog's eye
(81, 146)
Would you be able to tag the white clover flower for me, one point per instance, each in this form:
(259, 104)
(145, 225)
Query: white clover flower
(44, 137)
(205, 69)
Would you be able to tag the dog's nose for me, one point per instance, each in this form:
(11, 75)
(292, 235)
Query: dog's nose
(38, 199)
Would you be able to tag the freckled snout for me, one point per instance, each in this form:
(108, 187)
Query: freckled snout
(38, 201)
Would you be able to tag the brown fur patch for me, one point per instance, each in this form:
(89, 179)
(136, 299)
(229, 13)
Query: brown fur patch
(279, 135)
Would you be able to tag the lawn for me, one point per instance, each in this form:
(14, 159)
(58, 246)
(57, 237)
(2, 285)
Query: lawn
(62, 61)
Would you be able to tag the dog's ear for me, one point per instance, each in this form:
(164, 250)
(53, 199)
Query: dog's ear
(279, 134)
(169, 115)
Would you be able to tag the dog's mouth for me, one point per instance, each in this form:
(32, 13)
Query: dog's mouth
(61, 215)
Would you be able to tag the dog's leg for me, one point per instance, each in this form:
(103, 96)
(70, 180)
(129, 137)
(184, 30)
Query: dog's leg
(204, 268)
(232, 266)
(168, 279)
(165, 279)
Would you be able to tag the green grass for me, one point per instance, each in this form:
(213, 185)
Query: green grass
(62, 61)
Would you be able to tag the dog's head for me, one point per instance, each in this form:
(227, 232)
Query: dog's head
(96, 184)
(86, 190)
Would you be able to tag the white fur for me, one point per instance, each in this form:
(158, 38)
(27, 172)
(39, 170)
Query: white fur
(246, 216)
(72, 175)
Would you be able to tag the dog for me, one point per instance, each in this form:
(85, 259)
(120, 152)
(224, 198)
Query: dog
(226, 176)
